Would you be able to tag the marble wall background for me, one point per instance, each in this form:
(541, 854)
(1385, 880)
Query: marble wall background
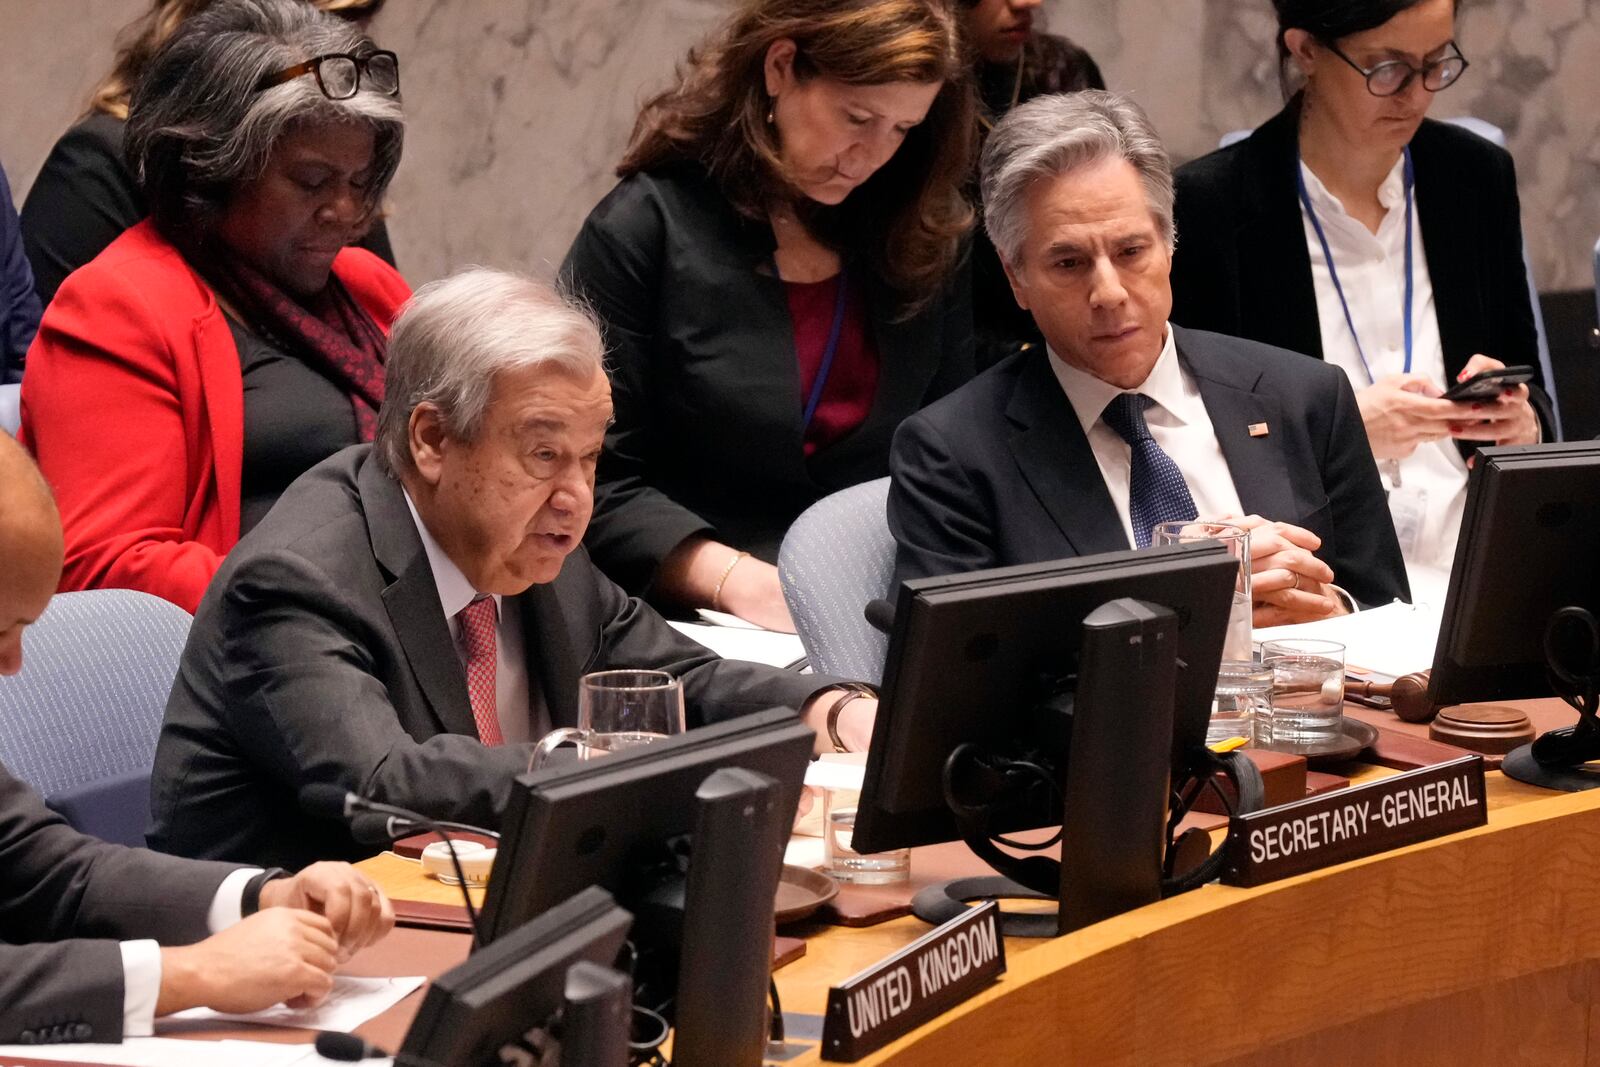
(519, 108)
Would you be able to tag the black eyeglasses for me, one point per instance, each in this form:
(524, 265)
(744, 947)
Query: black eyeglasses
(340, 74)
(1394, 75)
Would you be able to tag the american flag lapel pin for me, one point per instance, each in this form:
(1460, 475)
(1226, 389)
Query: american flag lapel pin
(1258, 429)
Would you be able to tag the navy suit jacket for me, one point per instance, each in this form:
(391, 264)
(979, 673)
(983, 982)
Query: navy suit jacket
(1000, 472)
(19, 304)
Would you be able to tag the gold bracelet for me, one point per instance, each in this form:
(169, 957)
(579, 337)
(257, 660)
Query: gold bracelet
(847, 692)
(716, 594)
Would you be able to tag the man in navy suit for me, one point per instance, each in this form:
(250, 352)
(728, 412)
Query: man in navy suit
(96, 939)
(1122, 420)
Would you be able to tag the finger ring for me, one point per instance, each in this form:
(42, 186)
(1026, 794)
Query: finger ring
(1296, 582)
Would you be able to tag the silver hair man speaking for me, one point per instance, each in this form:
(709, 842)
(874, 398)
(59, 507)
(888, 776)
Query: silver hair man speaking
(414, 613)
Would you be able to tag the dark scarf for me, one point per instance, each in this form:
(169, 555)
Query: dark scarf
(329, 331)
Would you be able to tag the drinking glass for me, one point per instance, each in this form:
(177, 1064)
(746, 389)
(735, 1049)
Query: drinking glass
(1243, 701)
(1307, 689)
(843, 862)
(618, 710)
(1236, 646)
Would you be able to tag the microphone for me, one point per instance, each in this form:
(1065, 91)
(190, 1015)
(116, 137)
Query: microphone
(326, 801)
(880, 613)
(347, 1048)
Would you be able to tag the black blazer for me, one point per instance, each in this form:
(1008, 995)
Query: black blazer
(1001, 473)
(66, 900)
(1242, 267)
(320, 654)
(706, 386)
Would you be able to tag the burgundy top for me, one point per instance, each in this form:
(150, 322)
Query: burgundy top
(853, 381)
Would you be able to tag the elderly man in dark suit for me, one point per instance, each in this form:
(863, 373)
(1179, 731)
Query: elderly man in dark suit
(414, 614)
(1121, 420)
(83, 923)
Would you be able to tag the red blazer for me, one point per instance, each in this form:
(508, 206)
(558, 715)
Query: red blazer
(133, 404)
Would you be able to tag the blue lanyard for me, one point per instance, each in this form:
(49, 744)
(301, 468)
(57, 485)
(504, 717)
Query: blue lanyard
(828, 352)
(1327, 257)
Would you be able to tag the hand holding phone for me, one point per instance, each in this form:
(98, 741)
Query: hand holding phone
(1487, 385)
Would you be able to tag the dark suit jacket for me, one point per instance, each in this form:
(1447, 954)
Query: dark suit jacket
(1000, 472)
(66, 900)
(708, 436)
(19, 306)
(321, 654)
(1242, 266)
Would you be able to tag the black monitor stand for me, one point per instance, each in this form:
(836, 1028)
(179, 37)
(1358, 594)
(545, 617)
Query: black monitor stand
(719, 1015)
(1564, 759)
(1100, 748)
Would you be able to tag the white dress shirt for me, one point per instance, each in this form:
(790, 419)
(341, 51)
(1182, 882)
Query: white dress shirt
(141, 960)
(1427, 490)
(1178, 421)
(521, 709)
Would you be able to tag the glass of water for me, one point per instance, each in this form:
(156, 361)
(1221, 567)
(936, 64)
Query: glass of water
(618, 710)
(842, 861)
(1237, 646)
(1307, 689)
(1243, 701)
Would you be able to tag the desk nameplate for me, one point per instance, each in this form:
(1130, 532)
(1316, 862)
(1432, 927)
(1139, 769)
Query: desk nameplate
(932, 974)
(1280, 842)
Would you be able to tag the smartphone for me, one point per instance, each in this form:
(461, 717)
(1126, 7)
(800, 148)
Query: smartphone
(1486, 385)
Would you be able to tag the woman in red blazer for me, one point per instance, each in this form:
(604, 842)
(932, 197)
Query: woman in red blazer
(218, 349)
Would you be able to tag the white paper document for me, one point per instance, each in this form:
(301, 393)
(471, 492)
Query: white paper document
(171, 1052)
(1394, 639)
(352, 1002)
(740, 640)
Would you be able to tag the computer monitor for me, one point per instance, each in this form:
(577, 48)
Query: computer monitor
(970, 654)
(520, 983)
(689, 834)
(1529, 546)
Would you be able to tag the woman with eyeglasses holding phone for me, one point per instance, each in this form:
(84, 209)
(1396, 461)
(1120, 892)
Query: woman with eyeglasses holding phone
(1352, 228)
(230, 341)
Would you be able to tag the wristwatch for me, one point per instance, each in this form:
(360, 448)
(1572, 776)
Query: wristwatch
(848, 691)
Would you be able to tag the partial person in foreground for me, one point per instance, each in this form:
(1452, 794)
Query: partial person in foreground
(1351, 228)
(95, 939)
(228, 343)
(780, 276)
(414, 614)
(1122, 420)
(85, 196)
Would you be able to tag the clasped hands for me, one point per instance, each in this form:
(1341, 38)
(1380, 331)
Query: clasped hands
(1287, 582)
(1404, 411)
(286, 952)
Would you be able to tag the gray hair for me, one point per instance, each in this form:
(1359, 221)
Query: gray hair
(197, 124)
(1052, 135)
(457, 333)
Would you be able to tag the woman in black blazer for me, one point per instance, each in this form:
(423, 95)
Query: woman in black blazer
(784, 241)
(1338, 176)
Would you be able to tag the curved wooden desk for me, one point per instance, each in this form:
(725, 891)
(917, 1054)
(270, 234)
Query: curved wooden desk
(1480, 947)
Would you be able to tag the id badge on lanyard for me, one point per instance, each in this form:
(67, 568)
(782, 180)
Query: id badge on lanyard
(1408, 507)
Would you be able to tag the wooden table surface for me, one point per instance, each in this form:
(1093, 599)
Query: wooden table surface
(1474, 948)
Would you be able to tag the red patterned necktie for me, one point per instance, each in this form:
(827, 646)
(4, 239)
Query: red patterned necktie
(478, 621)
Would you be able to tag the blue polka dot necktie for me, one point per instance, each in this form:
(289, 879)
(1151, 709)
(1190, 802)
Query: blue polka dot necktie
(1156, 489)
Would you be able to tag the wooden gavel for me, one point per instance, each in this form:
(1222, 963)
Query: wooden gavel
(1408, 695)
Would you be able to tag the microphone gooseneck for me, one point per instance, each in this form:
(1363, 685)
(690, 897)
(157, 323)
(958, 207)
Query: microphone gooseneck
(367, 818)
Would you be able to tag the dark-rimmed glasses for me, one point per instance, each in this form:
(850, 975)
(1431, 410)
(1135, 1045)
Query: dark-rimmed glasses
(1394, 75)
(339, 74)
